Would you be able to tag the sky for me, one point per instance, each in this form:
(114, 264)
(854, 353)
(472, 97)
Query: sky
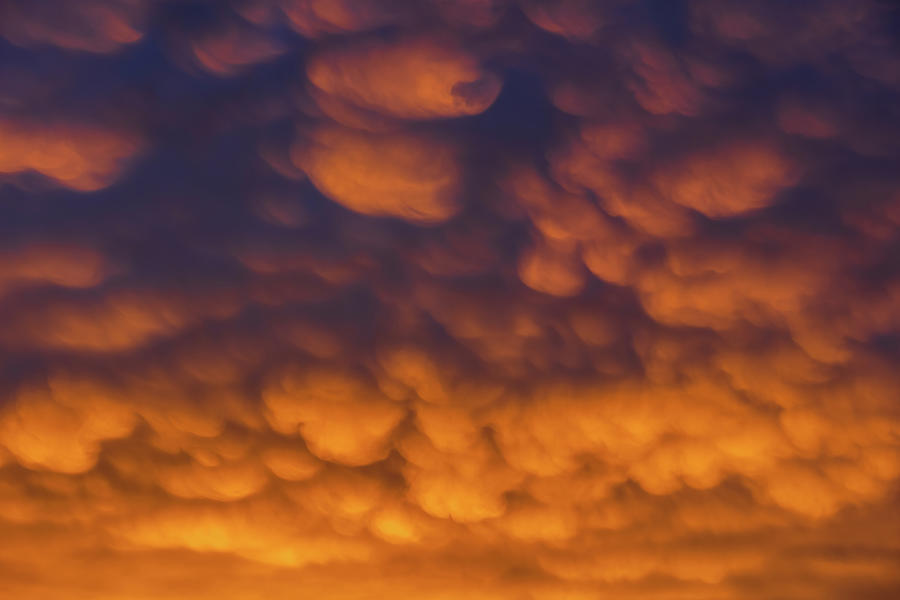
(449, 299)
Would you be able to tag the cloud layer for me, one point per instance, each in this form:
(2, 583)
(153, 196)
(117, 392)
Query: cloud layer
(503, 299)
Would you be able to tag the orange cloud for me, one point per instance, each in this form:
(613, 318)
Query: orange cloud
(577, 19)
(80, 157)
(120, 321)
(54, 264)
(398, 175)
(591, 161)
(729, 181)
(327, 408)
(552, 269)
(360, 327)
(466, 487)
(314, 18)
(663, 85)
(59, 426)
(91, 26)
(263, 538)
(231, 50)
(224, 481)
(416, 78)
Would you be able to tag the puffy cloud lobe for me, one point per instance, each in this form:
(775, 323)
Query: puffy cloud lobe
(92, 26)
(400, 525)
(722, 288)
(227, 481)
(557, 213)
(342, 418)
(290, 462)
(729, 181)
(416, 369)
(417, 78)
(314, 18)
(119, 320)
(399, 175)
(81, 157)
(466, 487)
(663, 85)
(231, 50)
(590, 162)
(576, 19)
(60, 426)
(54, 264)
(553, 269)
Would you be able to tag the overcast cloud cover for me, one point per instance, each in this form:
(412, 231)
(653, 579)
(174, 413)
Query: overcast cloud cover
(440, 299)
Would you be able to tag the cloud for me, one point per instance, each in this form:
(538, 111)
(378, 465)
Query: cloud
(93, 26)
(230, 50)
(314, 18)
(553, 269)
(466, 487)
(225, 481)
(495, 299)
(728, 181)
(399, 175)
(342, 418)
(218, 529)
(59, 426)
(80, 157)
(576, 19)
(58, 264)
(118, 321)
(663, 85)
(416, 78)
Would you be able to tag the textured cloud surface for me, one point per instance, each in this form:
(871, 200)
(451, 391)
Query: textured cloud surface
(494, 299)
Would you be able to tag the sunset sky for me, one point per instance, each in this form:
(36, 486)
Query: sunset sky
(449, 300)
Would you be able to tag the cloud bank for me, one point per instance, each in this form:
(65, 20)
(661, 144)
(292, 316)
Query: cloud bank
(503, 299)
